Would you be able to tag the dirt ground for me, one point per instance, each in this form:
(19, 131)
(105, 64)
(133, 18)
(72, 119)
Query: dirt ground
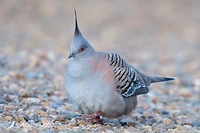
(160, 38)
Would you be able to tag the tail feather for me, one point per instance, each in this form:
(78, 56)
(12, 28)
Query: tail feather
(160, 79)
(150, 79)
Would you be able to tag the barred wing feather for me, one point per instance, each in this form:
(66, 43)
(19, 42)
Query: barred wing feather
(128, 81)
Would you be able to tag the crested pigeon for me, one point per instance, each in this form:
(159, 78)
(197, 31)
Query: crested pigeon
(103, 83)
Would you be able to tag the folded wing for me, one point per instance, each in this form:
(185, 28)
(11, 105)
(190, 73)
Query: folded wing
(128, 81)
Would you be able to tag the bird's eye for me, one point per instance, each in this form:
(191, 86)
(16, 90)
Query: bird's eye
(82, 48)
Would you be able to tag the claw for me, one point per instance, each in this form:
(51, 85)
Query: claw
(94, 117)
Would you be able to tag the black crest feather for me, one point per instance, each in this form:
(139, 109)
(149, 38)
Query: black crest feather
(77, 31)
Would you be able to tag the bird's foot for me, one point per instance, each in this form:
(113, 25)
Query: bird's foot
(94, 117)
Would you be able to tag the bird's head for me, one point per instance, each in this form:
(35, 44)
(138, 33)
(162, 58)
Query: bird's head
(80, 47)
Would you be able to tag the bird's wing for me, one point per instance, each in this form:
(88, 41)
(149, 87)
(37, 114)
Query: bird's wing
(128, 81)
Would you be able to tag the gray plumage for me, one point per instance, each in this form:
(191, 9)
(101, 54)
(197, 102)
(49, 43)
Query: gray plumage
(100, 81)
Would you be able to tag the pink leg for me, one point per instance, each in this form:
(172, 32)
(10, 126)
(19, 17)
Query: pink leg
(94, 117)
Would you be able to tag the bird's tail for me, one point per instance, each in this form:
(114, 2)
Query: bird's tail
(151, 79)
(160, 79)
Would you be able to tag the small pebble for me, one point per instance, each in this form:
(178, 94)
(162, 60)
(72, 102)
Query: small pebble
(166, 120)
(41, 112)
(195, 124)
(32, 100)
(45, 122)
(35, 118)
(180, 128)
(24, 124)
(61, 118)
(26, 117)
(6, 98)
(146, 127)
(17, 75)
(186, 93)
(2, 101)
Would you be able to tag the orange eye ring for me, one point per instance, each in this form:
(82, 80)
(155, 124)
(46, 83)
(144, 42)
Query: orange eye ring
(82, 48)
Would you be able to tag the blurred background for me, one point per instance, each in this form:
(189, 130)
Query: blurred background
(160, 38)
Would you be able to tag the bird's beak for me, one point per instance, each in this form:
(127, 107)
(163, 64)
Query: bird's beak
(71, 54)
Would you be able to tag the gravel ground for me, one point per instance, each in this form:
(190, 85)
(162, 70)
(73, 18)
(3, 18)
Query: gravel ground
(158, 38)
